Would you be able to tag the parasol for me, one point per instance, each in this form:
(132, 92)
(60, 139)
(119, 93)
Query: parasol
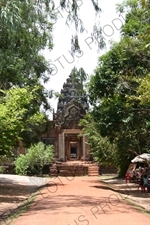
(145, 157)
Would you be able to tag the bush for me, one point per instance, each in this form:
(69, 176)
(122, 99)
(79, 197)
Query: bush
(3, 159)
(36, 157)
(2, 169)
(22, 164)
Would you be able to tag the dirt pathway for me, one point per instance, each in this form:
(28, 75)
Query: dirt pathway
(80, 200)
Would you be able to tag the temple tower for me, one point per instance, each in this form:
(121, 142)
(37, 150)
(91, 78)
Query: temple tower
(72, 105)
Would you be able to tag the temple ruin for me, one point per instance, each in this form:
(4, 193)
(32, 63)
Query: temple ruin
(65, 133)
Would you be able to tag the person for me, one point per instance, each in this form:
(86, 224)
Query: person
(134, 175)
(141, 183)
(131, 174)
(145, 181)
(138, 176)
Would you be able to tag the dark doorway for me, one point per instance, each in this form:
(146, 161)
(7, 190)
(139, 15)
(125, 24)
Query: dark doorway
(73, 152)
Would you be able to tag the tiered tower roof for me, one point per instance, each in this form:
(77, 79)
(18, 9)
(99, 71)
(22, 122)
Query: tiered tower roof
(72, 89)
(72, 104)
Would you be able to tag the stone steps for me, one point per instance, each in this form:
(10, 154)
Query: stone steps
(74, 170)
(93, 170)
(69, 170)
(53, 171)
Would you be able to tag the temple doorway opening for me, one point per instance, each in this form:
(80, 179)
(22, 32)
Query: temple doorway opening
(73, 150)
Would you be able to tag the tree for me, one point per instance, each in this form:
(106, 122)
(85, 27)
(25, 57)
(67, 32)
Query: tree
(117, 87)
(73, 9)
(19, 113)
(26, 29)
(79, 77)
(144, 91)
(101, 149)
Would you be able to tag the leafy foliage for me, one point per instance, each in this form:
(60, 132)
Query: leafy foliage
(36, 157)
(79, 78)
(119, 89)
(73, 18)
(19, 113)
(144, 91)
(102, 150)
(3, 159)
(25, 30)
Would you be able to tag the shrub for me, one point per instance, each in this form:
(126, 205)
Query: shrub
(2, 169)
(22, 164)
(3, 159)
(36, 157)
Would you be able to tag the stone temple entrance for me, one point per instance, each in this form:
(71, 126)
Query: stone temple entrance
(66, 134)
(73, 146)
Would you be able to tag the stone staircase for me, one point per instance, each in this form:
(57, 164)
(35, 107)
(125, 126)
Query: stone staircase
(53, 171)
(74, 169)
(68, 170)
(93, 170)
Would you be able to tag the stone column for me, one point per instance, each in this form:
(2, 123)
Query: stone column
(83, 139)
(61, 147)
(78, 150)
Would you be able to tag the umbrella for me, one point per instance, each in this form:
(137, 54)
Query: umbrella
(145, 157)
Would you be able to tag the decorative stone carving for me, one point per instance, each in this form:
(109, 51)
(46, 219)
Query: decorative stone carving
(71, 91)
(71, 106)
(70, 115)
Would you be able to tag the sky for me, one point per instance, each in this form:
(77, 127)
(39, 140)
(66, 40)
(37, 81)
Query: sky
(60, 57)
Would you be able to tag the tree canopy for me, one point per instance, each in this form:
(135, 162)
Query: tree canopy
(26, 29)
(118, 89)
(19, 114)
(102, 150)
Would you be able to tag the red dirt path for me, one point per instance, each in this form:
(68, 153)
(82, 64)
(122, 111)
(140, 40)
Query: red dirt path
(80, 201)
